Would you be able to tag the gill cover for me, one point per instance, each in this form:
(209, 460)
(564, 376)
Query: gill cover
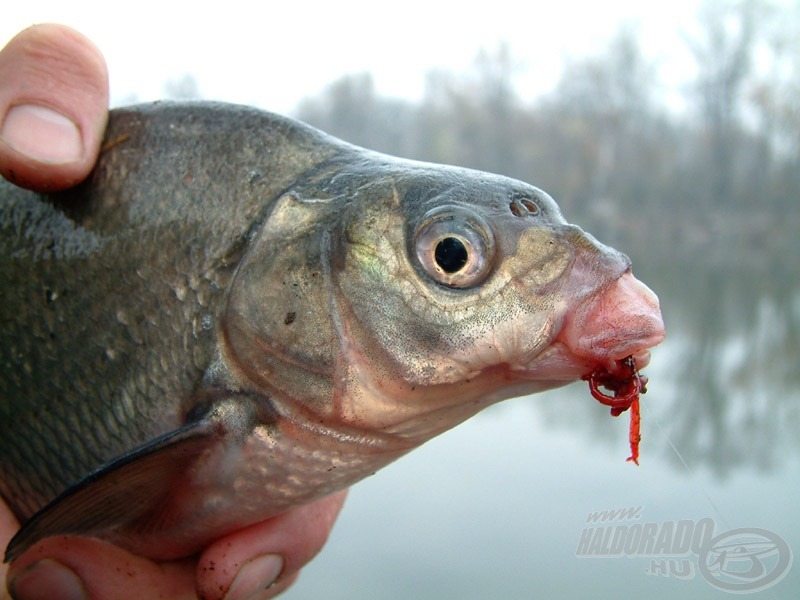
(277, 323)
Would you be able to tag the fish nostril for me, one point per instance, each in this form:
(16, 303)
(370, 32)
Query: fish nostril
(523, 207)
(530, 206)
(517, 209)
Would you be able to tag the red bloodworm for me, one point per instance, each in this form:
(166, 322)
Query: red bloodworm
(625, 392)
(634, 437)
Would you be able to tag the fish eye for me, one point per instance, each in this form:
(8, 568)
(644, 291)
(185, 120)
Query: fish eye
(455, 247)
(451, 254)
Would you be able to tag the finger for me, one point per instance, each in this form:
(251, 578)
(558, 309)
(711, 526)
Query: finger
(74, 567)
(53, 107)
(8, 527)
(266, 557)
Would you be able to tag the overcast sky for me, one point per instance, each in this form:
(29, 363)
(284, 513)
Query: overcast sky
(254, 53)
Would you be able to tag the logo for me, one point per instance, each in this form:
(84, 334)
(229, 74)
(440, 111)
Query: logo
(745, 560)
(738, 561)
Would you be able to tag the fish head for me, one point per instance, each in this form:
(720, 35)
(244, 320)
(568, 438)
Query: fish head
(405, 298)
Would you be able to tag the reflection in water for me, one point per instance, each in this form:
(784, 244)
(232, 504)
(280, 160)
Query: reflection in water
(725, 385)
(496, 507)
(738, 370)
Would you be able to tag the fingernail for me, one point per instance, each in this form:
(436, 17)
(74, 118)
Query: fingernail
(42, 134)
(255, 577)
(47, 580)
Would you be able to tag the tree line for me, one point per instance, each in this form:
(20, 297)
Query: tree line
(717, 181)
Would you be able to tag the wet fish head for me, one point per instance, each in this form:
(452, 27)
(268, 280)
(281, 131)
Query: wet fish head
(402, 298)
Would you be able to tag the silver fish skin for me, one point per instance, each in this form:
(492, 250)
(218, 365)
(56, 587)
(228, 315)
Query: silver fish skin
(237, 314)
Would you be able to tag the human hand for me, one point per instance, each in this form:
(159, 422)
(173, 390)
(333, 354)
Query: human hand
(56, 68)
(238, 566)
(53, 107)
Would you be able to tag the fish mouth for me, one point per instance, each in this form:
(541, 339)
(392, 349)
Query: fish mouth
(640, 360)
(624, 320)
(620, 321)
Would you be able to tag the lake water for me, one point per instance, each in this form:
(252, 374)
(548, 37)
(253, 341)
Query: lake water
(499, 506)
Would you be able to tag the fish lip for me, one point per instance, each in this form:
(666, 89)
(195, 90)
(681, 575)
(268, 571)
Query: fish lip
(641, 359)
(639, 347)
(620, 320)
(559, 365)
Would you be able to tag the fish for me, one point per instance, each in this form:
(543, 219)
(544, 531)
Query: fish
(237, 314)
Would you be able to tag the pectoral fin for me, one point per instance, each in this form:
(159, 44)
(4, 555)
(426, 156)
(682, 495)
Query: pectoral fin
(133, 487)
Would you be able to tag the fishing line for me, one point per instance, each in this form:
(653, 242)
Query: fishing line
(689, 470)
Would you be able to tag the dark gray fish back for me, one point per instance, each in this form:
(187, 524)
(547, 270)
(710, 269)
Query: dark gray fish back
(111, 293)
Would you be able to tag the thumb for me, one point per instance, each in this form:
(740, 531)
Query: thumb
(53, 107)
(8, 527)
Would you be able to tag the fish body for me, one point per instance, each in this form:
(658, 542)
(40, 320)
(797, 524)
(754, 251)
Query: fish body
(237, 314)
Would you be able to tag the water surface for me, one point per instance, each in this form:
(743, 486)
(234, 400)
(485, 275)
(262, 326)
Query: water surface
(496, 507)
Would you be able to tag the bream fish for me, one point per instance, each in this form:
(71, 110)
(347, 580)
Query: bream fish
(237, 314)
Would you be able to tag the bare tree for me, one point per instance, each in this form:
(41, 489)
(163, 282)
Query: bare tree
(351, 109)
(723, 50)
(609, 132)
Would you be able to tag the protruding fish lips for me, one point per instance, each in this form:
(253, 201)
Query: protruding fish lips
(622, 320)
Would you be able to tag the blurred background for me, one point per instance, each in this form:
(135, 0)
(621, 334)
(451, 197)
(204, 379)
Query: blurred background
(669, 132)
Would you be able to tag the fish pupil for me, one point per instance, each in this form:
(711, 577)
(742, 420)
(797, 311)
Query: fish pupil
(451, 255)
